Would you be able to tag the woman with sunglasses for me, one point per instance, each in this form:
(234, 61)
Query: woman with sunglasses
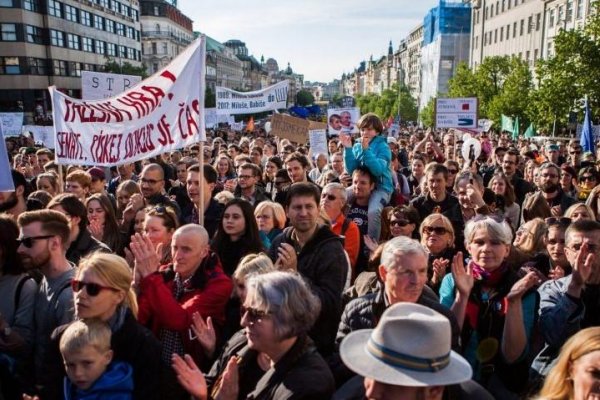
(495, 309)
(273, 357)
(453, 170)
(404, 221)
(102, 289)
(103, 223)
(437, 235)
(237, 234)
(16, 312)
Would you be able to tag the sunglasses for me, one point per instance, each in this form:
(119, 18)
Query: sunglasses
(438, 230)
(399, 222)
(253, 315)
(329, 197)
(574, 153)
(564, 221)
(93, 289)
(587, 178)
(28, 241)
(453, 171)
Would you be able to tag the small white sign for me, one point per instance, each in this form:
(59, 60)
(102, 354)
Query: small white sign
(456, 113)
(11, 123)
(100, 85)
(318, 141)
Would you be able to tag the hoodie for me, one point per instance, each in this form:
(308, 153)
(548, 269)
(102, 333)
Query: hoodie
(116, 383)
(377, 158)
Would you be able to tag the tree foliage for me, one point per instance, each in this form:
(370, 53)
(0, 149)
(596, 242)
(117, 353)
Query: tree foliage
(124, 68)
(304, 98)
(388, 103)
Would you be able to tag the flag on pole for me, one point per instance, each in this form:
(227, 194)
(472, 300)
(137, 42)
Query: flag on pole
(515, 132)
(507, 123)
(587, 133)
(390, 121)
(250, 126)
(530, 132)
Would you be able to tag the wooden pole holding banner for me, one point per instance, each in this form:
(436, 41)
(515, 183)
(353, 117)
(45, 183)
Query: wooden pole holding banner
(201, 124)
(201, 184)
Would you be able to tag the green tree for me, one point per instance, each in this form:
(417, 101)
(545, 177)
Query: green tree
(304, 98)
(428, 112)
(125, 68)
(389, 103)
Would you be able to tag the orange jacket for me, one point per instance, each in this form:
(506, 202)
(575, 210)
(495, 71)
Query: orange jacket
(351, 241)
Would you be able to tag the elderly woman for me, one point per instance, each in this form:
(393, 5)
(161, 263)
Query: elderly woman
(270, 217)
(574, 375)
(495, 308)
(529, 238)
(579, 211)
(273, 357)
(437, 235)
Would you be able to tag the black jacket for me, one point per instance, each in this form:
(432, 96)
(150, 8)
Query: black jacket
(259, 194)
(131, 343)
(364, 313)
(323, 263)
(450, 208)
(522, 187)
(84, 245)
(300, 374)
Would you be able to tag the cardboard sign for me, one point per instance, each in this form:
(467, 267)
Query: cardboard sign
(292, 128)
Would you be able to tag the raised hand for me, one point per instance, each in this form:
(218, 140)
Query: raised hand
(345, 139)
(463, 277)
(370, 243)
(96, 229)
(190, 377)
(522, 286)
(287, 257)
(440, 265)
(582, 268)
(205, 333)
(147, 260)
(230, 385)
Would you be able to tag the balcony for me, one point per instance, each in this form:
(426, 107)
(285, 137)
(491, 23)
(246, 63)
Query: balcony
(165, 35)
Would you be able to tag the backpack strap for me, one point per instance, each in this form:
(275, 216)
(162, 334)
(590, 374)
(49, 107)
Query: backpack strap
(18, 291)
(345, 226)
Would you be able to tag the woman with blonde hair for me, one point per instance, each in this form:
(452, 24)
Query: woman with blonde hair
(102, 289)
(580, 211)
(574, 375)
(529, 238)
(270, 217)
(437, 235)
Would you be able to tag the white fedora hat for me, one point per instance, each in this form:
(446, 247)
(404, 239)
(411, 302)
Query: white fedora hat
(411, 346)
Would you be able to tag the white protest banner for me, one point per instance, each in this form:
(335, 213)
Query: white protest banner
(342, 120)
(6, 181)
(237, 126)
(212, 119)
(11, 123)
(232, 102)
(43, 134)
(162, 113)
(318, 141)
(101, 85)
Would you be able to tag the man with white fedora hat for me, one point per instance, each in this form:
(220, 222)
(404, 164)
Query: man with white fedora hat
(409, 356)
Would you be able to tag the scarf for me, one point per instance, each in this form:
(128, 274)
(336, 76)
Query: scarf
(171, 340)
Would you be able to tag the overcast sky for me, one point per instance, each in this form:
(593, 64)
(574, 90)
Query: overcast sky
(320, 39)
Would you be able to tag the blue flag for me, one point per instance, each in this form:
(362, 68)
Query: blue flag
(587, 133)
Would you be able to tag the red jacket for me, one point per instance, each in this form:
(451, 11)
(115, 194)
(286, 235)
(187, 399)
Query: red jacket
(207, 293)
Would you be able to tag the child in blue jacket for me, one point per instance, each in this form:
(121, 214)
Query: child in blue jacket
(91, 373)
(371, 151)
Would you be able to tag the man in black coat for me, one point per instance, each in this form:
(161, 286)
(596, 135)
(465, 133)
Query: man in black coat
(318, 255)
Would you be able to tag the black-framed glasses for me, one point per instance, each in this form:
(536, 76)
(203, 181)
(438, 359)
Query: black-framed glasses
(563, 221)
(92, 289)
(438, 230)
(244, 177)
(587, 178)
(254, 315)
(28, 241)
(151, 181)
(399, 222)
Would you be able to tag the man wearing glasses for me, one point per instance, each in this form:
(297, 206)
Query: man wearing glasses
(570, 304)
(248, 176)
(42, 245)
(152, 184)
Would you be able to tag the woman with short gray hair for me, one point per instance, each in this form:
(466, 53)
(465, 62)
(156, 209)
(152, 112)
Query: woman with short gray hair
(272, 357)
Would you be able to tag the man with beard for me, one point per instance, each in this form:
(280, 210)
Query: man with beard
(43, 241)
(549, 185)
(152, 184)
(14, 203)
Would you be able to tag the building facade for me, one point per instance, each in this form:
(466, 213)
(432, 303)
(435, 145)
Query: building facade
(562, 14)
(46, 43)
(252, 70)
(166, 31)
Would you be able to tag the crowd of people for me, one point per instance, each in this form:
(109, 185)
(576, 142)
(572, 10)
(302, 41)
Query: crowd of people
(388, 268)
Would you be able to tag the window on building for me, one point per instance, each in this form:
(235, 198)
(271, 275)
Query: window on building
(31, 5)
(503, 5)
(59, 67)
(55, 8)
(122, 52)
(549, 50)
(10, 66)
(100, 47)
(485, 42)
(135, 15)
(551, 18)
(165, 48)
(157, 27)
(514, 30)
(501, 33)
(508, 4)
(73, 41)
(527, 56)
(99, 22)
(111, 49)
(57, 38)
(507, 31)
(9, 32)
(538, 21)
(569, 16)
(131, 53)
(579, 12)
(522, 27)
(6, 3)
(130, 32)
(110, 25)
(34, 34)
(105, 3)
(496, 36)
(561, 14)
(153, 51)
(88, 44)
(37, 66)
(120, 29)
(114, 5)
(492, 11)
(154, 67)
(74, 68)
(535, 55)
(529, 24)
(70, 13)
(85, 18)
(476, 42)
